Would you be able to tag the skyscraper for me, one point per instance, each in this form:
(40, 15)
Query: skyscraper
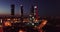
(21, 13)
(36, 12)
(21, 10)
(12, 9)
(32, 11)
(36, 8)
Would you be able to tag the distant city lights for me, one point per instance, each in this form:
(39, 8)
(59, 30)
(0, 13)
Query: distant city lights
(8, 24)
(21, 31)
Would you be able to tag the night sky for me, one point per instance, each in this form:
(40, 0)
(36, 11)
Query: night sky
(45, 7)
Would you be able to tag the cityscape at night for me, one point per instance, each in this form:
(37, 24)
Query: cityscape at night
(29, 16)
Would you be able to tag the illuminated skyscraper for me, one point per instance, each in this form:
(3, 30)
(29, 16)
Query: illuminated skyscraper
(36, 12)
(36, 8)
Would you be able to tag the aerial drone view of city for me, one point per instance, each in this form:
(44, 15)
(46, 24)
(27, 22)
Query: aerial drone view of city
(29, 16)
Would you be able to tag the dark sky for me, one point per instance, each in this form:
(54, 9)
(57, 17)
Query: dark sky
(49, 7)
(45, 7)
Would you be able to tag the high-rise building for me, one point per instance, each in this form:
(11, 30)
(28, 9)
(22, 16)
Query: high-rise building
(21, 10)
(32, 11)
(12, 9)
(36, 11)
(36, 8)
(21, 13)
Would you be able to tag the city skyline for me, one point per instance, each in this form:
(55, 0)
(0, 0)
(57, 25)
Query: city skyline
(5, 6)
(45, 7)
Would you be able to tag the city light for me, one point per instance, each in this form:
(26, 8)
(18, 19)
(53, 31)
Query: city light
(8, 19)
(32, 23)
(35, 20)
(1, 20)
(35, 6)
(7, 24)
(43, 23)
(21, 31)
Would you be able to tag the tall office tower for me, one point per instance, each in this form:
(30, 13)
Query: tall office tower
(12, 9)
(21, 10)
(21, 13)
(36, 8)
(32, 11)
(36, 12)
